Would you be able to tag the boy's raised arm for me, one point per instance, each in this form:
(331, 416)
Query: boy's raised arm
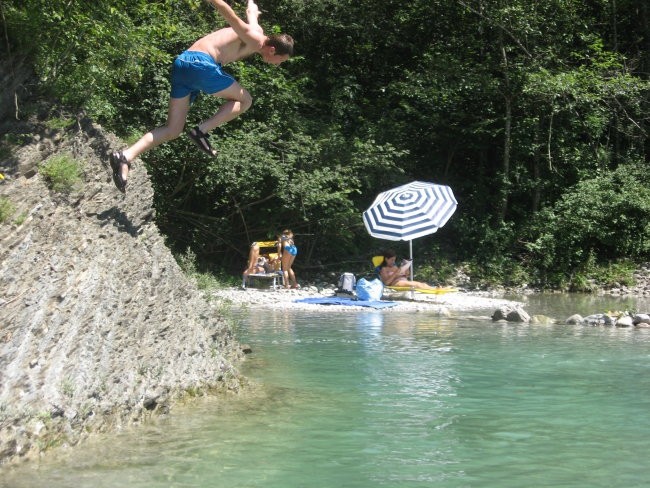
(252, 13)
(250, 33)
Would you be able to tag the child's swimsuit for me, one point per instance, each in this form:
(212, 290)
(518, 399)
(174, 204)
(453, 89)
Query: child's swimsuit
(289, 246)
(194, 72)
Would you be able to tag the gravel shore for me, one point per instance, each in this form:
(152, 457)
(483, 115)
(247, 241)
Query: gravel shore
(442, 304)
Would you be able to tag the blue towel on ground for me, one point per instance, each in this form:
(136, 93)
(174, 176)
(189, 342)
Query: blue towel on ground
(346, 301)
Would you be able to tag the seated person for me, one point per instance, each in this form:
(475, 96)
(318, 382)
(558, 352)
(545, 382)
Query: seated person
(260, 264)
(393, 275)
(256, 263)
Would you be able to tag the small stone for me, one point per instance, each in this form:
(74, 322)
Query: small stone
(518, 315)
(510, 314)
(625, 321)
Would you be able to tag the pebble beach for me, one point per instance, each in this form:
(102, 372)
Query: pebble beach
(445, 304)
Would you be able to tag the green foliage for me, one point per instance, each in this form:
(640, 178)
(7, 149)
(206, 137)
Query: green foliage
(265, 180)
(617, 273)
(67, 387)
(501, 270)
(5, 153)
(601, 219)
(438, 271)
(59, 123)
(11, 139)
(7, 209)
(591, 275)
(89, 54)
(204, 280)
(62, 173)
(210, 281)
(20, 219)
(530, 111)
(187, 261)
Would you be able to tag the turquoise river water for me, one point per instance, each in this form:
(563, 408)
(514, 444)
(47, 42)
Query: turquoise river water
(370, 399)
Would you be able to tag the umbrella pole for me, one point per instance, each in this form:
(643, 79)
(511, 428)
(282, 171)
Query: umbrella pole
(411, 258)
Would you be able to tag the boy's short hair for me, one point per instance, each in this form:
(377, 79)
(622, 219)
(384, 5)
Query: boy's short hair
(283, 44)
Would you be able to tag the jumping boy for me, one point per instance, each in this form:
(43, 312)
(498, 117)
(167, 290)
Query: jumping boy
(199, 69)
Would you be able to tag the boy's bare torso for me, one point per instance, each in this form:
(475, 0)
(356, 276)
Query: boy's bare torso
(224, 46)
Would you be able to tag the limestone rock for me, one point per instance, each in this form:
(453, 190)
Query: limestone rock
(624, 321)
(511, 314)
(98, 324)
(574, 319)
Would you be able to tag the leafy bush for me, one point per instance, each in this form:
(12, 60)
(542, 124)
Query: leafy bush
(7, 209)
(618, 273)
(208, 281)
(501, 270)
(204, 280)
(187, 261)
(436, 272)
(62, 173)
(593, 275)
(595, 222)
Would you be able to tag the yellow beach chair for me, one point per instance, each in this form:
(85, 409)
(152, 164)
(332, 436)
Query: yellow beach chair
(268, 250)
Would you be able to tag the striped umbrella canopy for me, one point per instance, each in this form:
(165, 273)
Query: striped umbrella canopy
(410, 211)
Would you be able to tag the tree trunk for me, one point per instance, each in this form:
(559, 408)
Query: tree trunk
(612, 19)
(644, 72)
(537, 158)
(507, 139)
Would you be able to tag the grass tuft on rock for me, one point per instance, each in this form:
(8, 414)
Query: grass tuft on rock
(7, 209)
(62, 173)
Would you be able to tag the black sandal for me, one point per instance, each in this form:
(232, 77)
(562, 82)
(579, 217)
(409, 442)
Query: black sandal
(117, 160)
(201, 141)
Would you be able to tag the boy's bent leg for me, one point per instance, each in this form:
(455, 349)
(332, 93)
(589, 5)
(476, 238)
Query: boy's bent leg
(238, 100)
(121, 160)
(176, 115)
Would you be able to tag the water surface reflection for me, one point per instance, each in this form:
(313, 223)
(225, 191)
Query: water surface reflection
(369, 399)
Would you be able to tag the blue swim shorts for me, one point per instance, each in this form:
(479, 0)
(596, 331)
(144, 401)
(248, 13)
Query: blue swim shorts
(194, 72)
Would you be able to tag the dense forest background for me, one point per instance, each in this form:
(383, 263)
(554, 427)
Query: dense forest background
(535, 112)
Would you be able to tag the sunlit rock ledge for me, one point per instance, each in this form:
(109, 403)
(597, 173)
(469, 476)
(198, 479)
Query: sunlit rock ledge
(99, 327)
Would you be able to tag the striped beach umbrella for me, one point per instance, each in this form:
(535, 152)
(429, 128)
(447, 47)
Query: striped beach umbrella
(410, 211)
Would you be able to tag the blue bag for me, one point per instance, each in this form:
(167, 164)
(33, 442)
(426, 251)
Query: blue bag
(369, 290)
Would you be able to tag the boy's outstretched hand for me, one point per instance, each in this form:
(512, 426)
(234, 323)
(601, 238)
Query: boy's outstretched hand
(252, 13)
(252, 8)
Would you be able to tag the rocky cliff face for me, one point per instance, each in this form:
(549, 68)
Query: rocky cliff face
(98, 324)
